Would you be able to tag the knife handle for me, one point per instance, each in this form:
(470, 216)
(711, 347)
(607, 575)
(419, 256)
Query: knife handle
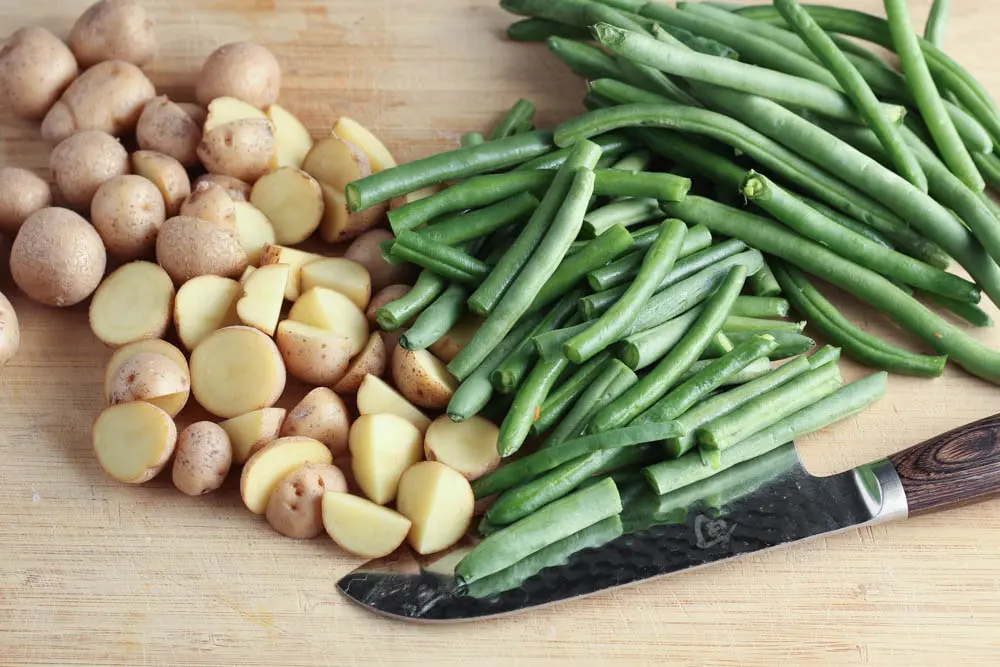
(956, 468)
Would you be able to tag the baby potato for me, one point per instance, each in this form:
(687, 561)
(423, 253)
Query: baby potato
(190, 247)
(211, 202)
(126, 352)
(82, 162)
(167, 174)
(10, 331)
(203, 305)
(320, 415)
(243, 149)
(313, 355)
(167, 128)
(295, 508)
(255, 233)
(263, 296)
(243, 70)
(108, 97)
(234, 187)
(375, 397)
(295, 259)
(22, 192)
(224, 110)
(343, 275)
(351, 130)
(134, 302)
(438, 502)
(329, 309)
(382, 447)
(35, 68)
(265, 469)
(128, 211)
(468, 447)
(113, 30)
(133, 441)
(372, 360)
(385, 295)
(57, 258)
(422, 378)
(334, 163)
(236, 370)
(251, 431)
(454, 341)
(361, 527)
(147, 377)
(290, 135)
(291, 199)
(202, 458)
(197, 112)
(366, 250)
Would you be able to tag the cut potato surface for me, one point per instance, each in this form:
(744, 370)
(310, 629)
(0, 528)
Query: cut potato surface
(339, 224)
(315, 356)
(253, 230)
(329, 309)
(377, 397)
(382, 447)
(134, 302)
(342, 275)
(203, 305)
(334, 163)
(290, 135)
(296, 259)
(152, 378)
(167, 174)
(133, 441)
(263, 296)
(448, 346)
(422, 378)
(126, 352)
(323, 416)
(292, 201)
(224, 110)
(468, 447)
(250, 432)
(236, 370)
(372, 360)
(272, 463)
(352, 131)
(361, 527)
(439, 502)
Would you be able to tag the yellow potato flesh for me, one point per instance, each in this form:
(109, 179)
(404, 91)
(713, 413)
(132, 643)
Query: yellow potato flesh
(291, 199)
(132, 303)
(352, 131)
(361, 527)
(126, 352)
(224, 110)
(272, 463)
(252, 431)
(336, 273)
(377, 397)
(439, 502)
(133, 441)
(329, 309)
(296, 259)
(203, 305)
(236, 370)
(290, 136)
(263, 296)
(469, 447)
(382, 447)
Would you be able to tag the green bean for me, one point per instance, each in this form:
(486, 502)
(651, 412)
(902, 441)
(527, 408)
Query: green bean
(740, 323)
(528, 402)
(550, 344)
(626, 212)
(765, 307)
(584, 60)
(471, 139)
(867, 285)
(483, 222)
(642, 349)
(396, 314)
(619, 318)
(763, 283)
(825, 355)
(937, 22)
(969, 312)
(538, 30)
(719, 346)
(805, 220)
(680, 37)
(444, 260)
(563, 398)
(751, 372)
(850, 223)
(611, 144)
(635, 161)
(653, 80)
(538, 269)
(989, 167)
(522, 111)
(645, 184)
(659, 381)
(789, 343)
(436, 319)
(613, 381)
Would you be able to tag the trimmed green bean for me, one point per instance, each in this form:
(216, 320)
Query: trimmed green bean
(989, 167)
(969, 312)
(550, 344)
(538, 30)
(654, 81)
(626, 212)
(396, 314)
(645, 184)
(584, 60)
(764, 307)
(522, 112)
(855, 226)
(444, 260)
(464, 227)
(637, 160)
(789, 343)
(825, 355)
(937, 22)
(471, 139)
(741, 323)
(719, 346)
(611, 144)
(647, 347)
(680, 37)
(612, 382)
(436, 319)
(561, 11)
(528, 402)
(763, 283)
(564, 397)
(751, 372)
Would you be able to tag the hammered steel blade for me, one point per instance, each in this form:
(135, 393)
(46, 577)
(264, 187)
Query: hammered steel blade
(761, 504)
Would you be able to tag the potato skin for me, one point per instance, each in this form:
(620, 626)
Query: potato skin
(128, 211)
(295, 508)
(147, 375)
(83, 161)
(113, 30)
(211, 202)
(366, 250)
(243, 149)
(372, 360)
(320, 415)
(243, 70)
(22, 192)
(202, 458)
(167, 174)
(35, 68)
(188, 247)
(415, 383)
(234, 187)
(57, 259)
(167, 128)
(10, 332)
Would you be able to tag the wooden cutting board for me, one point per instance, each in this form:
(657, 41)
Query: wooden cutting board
(96, 573)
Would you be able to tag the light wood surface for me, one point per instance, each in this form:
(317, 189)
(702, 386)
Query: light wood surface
(93, 572)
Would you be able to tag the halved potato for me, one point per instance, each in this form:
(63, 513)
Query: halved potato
(352, 131)
(254, 231)
(361, 527)
(329, 309)
(134, 302)
(315, 356)
(382, 447)
(251, 431)
(211, 202)
(295, 508)
(243, 149)
(203, 458)
(234, 187)
(439, 503)
(152, 378)
(272, 463)
(133, 441)
(377, 397)
(321, 415)
(223, 110)
(469, 447)
(290, 135)
(296, 259)
(448, 346)
(336, 273)
(382, 297)
(422, 378)
(293, 202)
(126, 352)
(263, 296)
(372, 360)
(204, 304)
(236, 370)
(167, 174)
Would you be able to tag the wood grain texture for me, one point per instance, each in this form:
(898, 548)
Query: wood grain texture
(93, 572)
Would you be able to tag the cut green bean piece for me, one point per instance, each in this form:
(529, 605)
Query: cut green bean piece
(764, 307)
(436, 320)
(530, 396)
(609, 385)
(483, 222)
(647, 347)
(969, 312)
(751, 372)
(789, 343)
(740, 323)
(538, 30)
(611, 144)
(550, 344)
(937, 22)
(626, 212)
(396, 314)
(623, 270)
(763, 283)
(563, 398)
(471, 139)
(445, 260)
(522, 112)
(645, 184)
(855, 226)
(584, 60)
(720, 345)
(634, 161)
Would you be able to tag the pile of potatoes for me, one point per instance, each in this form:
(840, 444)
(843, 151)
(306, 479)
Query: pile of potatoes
(199, 226)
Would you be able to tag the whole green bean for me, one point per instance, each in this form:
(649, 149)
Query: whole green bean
(464, 227)
(789, 343)
(763, 283)
(625, 212)
(563, 398)
(655, 81)
(396, 314)
(765, 307)
(937, 22)
(613, 381)
(522, 111)
(528, 402)
(969, 312)
(561, 11)
(442, 259)
(436, 319)
(611, 144)
(740, 323)
(538, 30)
(583, 59)
(627, 267)
(645, 184)
(471, 139)
(719, 346)
(751, 372)
(989, 167)
(855, 226)
(642, 349)
(680, 37)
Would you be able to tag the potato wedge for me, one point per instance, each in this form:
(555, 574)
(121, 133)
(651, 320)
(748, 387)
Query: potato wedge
(342, 275)
(293, 202)
(448, 346)
(366, 250)
(329, 309)
(352, 131)
(468, 447)
(272, 463)
(377, 397)
(296, 259)
(224, 110)
(290, 136)
(234, 187)
(167, 174)
(126, 352)
(154, 379)
(253, 230)
(263, 296)
(321, 415)
(361, 527)
(204, 304)
(372, 360)
(243, 149)
(203, 458)
(296, 506)
(382, 447)
(236, 370)
(134, 302)
(133, 441)
(313, 355)
(246, 273)
(422, 378)
(211, 202)
(438, 502)
(250, 432)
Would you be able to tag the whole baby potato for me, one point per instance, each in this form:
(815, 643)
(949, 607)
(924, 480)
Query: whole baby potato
(202, 459)
(22, 192)
(243, 70)
(57, 259)
(35, 69)
(189, 247)
(197, 112)
(127, 212)
(295, 508)
(167, 128)
(83, 161)
(10, 332)
(113, 30)
(211, 202)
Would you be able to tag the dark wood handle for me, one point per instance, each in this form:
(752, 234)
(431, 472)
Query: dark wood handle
(957, 468)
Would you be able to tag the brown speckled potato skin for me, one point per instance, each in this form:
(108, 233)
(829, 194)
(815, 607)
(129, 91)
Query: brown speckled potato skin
(113, 30)
(189, 247)
(145, 376)
(366, 250)
(167, 128)
(197, 112)
(372, 360)
(415, 383)
(296, 505)
(385, 295)
(35, 68)
(202, 458)
(317, 362)
(22, 192)
(10, 332)
(243, 149)
(57, 259)
(108, 97)
(243, 70)
(84, 161)
(211, 202)
(127, 212)
(234, 187)
(321, 415)
(167, 174)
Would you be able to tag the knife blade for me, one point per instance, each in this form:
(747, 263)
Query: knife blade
(764, 503)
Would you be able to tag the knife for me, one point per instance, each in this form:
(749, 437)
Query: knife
(764, 503)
